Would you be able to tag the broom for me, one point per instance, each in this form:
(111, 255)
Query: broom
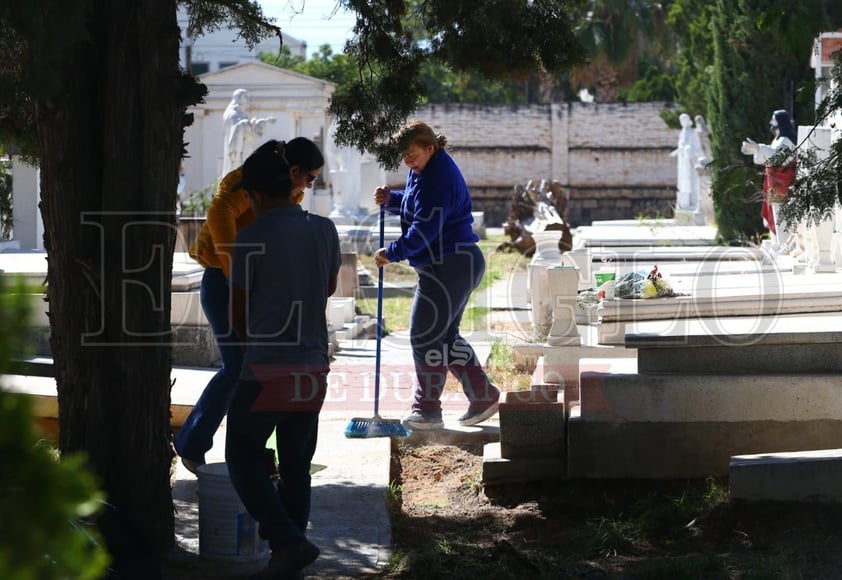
(360, 427)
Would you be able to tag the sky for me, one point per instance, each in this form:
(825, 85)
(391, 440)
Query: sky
(314, 23)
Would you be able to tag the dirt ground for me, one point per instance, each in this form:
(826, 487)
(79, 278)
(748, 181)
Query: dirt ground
(446, 524)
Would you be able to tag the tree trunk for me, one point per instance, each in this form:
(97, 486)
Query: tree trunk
(110, 149)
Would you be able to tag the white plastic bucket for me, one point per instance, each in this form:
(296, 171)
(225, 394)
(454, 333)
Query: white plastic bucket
(226, 530)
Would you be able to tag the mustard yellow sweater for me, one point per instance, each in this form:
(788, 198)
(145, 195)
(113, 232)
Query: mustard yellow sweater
(229, 212)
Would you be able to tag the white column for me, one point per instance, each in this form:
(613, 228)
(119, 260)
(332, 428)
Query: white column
(26, 194)
(563, 282)
(546, 254)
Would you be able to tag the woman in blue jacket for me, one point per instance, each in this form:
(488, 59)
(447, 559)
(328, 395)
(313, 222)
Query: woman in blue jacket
(438, 241)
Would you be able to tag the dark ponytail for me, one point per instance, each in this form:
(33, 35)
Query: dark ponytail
(305, 154)
(267, 170)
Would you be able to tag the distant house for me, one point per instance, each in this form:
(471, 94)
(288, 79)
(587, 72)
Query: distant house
(221, 49)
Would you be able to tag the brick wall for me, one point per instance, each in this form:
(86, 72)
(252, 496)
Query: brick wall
(613, 159)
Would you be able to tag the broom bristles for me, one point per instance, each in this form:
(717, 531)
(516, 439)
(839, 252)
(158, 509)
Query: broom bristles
(365, 427)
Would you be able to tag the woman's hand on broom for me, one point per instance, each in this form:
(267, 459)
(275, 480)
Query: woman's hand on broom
(380, 258)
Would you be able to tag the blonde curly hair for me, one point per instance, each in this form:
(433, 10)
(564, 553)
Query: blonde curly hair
(415, 132)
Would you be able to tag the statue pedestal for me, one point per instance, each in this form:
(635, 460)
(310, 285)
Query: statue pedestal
(705, 198)
(686, 217)
(583, 260)
(546, 254)
(822, 235)
(561, 367)
(563, 281)
(321, 202)
(781, 237)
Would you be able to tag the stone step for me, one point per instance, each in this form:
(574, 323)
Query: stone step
(809, 343)
(684, 426)
(668, 398)
(798, 476)
(498, 470)
(682, 449)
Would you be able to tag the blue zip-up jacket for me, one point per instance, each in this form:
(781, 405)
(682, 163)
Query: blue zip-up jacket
(435, 209)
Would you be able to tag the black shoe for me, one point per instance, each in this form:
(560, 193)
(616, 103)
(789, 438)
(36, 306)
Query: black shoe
(288, 561)
(479, 411)
(423, 420)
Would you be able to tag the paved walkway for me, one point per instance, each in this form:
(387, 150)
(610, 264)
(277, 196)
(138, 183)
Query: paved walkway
(349, 519)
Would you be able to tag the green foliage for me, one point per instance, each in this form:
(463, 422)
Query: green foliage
(502, 370)
(609, 537)
(198, 202)
(440, 83)
(501, 40)
(443, 85)
(619, 30)
(44, 502)
(245, 16)
(336, 68)
(283, 59)
(653, 84)
(693, 61)
(618, 34)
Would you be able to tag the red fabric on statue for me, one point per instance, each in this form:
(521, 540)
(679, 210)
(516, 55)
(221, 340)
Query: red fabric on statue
(775, 189)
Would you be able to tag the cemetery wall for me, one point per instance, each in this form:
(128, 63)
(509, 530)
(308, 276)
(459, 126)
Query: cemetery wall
(613, 159)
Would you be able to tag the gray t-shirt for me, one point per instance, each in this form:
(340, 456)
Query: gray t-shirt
(285, 260)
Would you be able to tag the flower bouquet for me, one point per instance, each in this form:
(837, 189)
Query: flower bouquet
(587, 300)
(643, 284)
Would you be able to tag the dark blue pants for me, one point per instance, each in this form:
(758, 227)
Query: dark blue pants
(443, 291)
(289, 406)
(195, 438)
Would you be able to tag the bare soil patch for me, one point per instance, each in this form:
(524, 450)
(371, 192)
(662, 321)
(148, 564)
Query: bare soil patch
(446, 524)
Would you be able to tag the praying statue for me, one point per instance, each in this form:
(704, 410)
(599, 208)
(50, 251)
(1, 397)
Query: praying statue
(689, 153)
(240, 131)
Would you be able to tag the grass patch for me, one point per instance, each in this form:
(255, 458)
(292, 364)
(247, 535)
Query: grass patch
(502, 371)
(396, 309)
(608, 537)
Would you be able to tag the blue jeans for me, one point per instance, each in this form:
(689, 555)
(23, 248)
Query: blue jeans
(281, 511)
(195, 438)
(443, 291)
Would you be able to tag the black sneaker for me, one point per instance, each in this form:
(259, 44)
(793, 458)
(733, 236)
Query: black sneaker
(289, 560)
(479, 411)
(423, 420)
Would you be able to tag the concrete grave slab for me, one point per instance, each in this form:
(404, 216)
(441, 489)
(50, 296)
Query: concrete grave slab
(814, 475)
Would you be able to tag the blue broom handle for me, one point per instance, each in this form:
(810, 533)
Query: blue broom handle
(379, 315)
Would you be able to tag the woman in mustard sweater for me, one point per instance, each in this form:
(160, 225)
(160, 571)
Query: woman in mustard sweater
(229, 212)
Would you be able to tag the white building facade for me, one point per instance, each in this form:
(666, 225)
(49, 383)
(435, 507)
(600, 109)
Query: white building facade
(222, 48)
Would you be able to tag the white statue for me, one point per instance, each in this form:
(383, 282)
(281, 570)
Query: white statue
(240, 131)
(345, 178)
(703, 168)
(689, 153)
(703, 133)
